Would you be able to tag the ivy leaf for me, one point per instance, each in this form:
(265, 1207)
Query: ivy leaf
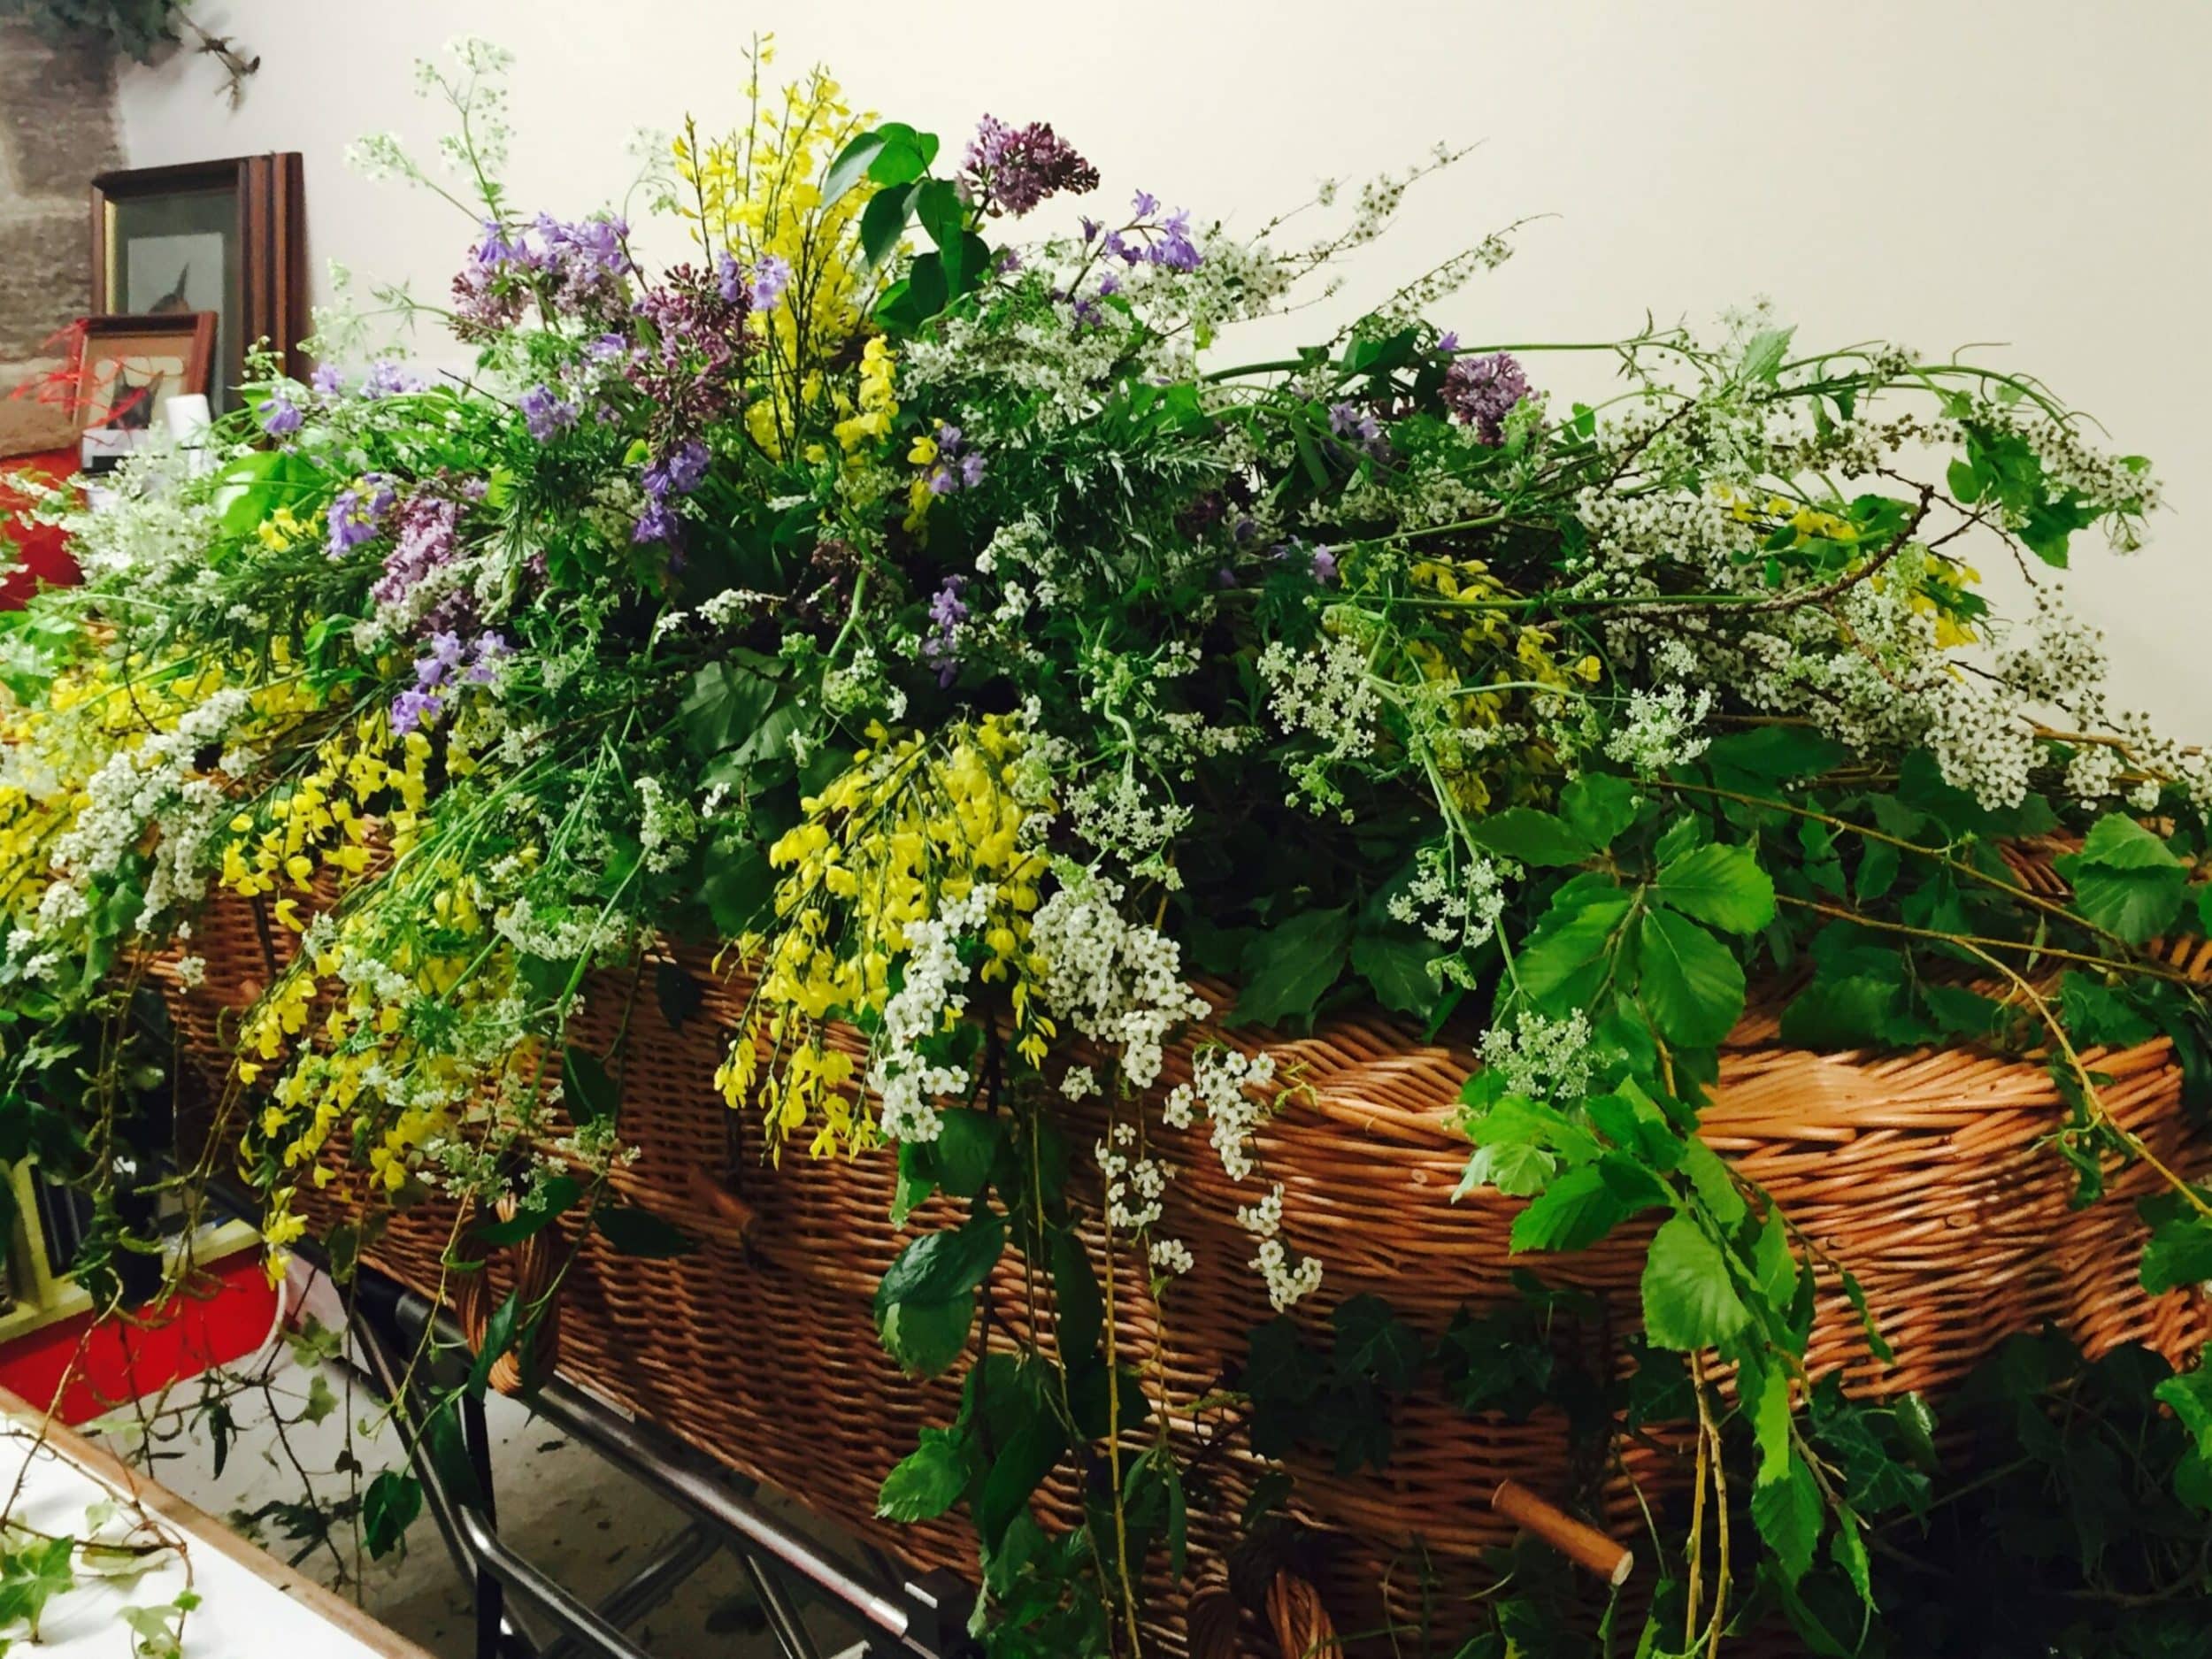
(680, 995)
(321, 1400)
(1722, 885)
(388, 1508)
(1288, 968)
(1690, 1302)
(928, 1481)
(1373, 1341)
(1687, 981)
(1788, 1514)
(2189, 1395)
(2179, 1253)
(1532, 837)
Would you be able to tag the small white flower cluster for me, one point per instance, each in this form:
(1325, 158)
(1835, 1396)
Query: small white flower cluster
(666, 825)
(1460, 908)
(1661, 729)
(1328, 693)
(1287, 1283)
(1221, 1079)
(908, 1083)
(1543, 1058)
(1135, 1186)
(1115, 981)
(1981, 743)
(861, 684)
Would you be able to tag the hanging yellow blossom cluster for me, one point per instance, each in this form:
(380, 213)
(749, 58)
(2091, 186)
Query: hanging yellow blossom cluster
(757, 194)
(914, 826)
(321, 823)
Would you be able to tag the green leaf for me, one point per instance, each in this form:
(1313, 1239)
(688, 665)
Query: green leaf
(1723, 886)
(738, 884)
(727, 702)
(499, 1336)
(1773, 753)
(2117, 841)
(929, 1481)
(1770, 1425)
(640, 1233)
(680, 995)
(587, 1090)
(1518, 1170)
(1531, 837)
(1690, 1302)
(2189, 1395)
(321, 1400)
(1763, 352)
(967, 1145)
(940, 1265)
(2096, 1014)
(1687, 981)
(1080, 1316)
(850, 166)
(1396, 967)
(1373, 1341)
(1847, 1547)
(1598, 806)
(388, 1508)
(905, 155)
(1573, 1213)
(1561, 962)
(2179, 1253)
(1709, 1174)
(1288, 968)
(882, 222)
(2125, 879)
(551, 1198)
(1025, 1459)
(1788, 1514)
(926, 1337)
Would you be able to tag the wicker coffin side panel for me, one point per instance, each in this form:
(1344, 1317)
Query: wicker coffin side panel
(1921, 1172)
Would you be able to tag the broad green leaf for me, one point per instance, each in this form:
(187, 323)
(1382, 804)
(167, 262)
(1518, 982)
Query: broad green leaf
(940, 1265)
(640, 1233)
(1788, 1514)
(1687, 980)
(967, 1145)
(1288, 968)
(1532, 837)
(2117, 841)
(388, 1508)
(1723, 886)
(552, 1198)
(882, 222)
(850, 166)
(1079, 1317)
(1024, 1460)
(679, 995)
(926, 1337)
(1775, 752)
(1518, 1170)
(1563, 955)
(499, 1336)
(928, 1481)
(1709, 1174)
(2179, 1253)
(1397, 968)
(1598, 806)
(1771, 1424)
(587, 1090)
(1690, 1302)
(1848, 1549)
(1372, 1341)
(2189, 1395)
(1574, 1212)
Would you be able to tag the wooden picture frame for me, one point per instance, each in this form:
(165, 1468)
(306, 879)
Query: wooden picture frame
(174, 353)
(227, 236)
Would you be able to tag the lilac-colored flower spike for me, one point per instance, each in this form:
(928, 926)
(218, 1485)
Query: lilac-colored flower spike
(1483, 391)
(281, 416)
(1010, 170)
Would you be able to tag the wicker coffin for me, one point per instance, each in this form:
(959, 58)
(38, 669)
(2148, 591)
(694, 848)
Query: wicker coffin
(1920, 1172)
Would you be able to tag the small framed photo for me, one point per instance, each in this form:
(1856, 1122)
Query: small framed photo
(227, 237)
(130, 370)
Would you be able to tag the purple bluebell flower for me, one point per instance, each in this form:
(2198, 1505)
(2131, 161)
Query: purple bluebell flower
(1010, 170)
(388, 378)
(357, 514)
(940, 646)
(412, 711)
(1109, 284)
(770, 276)
(971, 469)
(1447, 342)
(545, 413)
(328, 380)
(608, 347)
(281, 416)
(1172, 247)
(657, 522)
(1091, 227)
(1115, 248)
(1324, 565)
(484, 661)
(729, 276)
(677, 472)
(1145, 204)
(1483, 391)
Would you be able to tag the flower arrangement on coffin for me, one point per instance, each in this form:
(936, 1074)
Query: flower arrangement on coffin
(922, 611)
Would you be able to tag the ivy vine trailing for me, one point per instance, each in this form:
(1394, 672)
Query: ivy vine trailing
(932, 619)
(140, 30)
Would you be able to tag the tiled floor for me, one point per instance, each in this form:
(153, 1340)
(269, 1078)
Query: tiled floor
(566, 1508)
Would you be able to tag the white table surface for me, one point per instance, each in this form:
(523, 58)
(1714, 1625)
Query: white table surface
(252, 1605)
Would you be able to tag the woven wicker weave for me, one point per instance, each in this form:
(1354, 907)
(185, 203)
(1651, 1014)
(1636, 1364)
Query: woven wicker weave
(1920, 1172)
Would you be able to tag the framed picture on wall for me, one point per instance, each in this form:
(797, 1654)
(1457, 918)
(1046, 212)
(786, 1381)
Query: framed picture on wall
(227, 237)
(129, 370)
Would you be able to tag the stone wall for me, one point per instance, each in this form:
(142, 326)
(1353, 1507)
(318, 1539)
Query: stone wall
(58, 129)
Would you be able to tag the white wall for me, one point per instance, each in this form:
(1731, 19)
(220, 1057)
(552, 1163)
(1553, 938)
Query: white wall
(1939, 172)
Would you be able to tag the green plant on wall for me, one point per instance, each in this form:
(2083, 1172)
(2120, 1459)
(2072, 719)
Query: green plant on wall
(142, 30)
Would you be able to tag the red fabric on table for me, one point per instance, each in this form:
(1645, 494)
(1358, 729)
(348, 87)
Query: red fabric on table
(226, 1316)
(45, 559)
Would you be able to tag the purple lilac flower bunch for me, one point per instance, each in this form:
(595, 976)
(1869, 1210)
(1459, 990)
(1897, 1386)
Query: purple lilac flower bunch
(1010, 170)
(426, 543)
(687, 364)
(357, 514)
(941, 644)
(580, 267)
(1483, 391)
